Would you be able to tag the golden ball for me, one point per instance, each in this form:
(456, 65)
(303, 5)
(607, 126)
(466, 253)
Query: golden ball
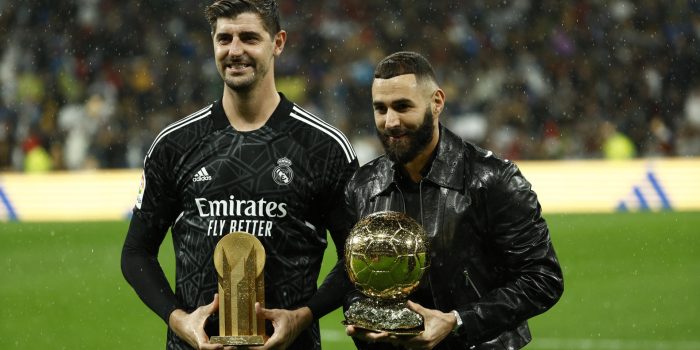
(386, 255)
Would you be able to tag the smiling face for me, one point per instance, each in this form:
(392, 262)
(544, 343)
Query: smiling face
(404, 116)
(244, 51)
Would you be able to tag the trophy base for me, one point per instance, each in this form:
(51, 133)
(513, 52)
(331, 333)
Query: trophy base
(240, 340)
(393, 317)
(398, 332)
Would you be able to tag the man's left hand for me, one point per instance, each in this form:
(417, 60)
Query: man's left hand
(438, 325)
(287, 324)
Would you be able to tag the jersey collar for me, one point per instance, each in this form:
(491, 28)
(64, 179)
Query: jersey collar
(278, 116)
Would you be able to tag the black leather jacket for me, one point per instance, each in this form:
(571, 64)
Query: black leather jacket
(491, 255)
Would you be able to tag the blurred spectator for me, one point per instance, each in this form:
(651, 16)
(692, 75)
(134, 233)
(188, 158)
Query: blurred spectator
(82, 123)
(534, 78)
(36, 158)
(616, 145)
(688, 141)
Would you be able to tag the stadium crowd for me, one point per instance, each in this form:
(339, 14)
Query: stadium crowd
(88, 83)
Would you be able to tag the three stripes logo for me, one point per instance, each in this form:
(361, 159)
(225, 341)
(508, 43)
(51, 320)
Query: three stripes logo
(201, 175)
(646, 196)
(5, 204)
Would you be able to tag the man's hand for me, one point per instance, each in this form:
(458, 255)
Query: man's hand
(287, 324)
(369, 336)
(438, 325)
(190, 327)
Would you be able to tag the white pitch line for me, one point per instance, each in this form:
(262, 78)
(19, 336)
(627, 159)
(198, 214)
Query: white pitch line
(614, 344)
(333, 335)
(578, 344)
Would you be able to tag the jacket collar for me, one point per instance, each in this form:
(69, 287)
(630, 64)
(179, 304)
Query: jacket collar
(447, 169)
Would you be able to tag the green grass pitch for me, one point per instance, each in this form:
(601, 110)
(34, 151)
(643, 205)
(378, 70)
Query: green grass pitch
(632, 281)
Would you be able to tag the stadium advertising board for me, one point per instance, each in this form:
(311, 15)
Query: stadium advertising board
(606, 186)
(562, 186)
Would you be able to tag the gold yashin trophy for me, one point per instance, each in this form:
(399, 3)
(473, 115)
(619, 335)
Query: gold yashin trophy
(239, 259)
(386, 255)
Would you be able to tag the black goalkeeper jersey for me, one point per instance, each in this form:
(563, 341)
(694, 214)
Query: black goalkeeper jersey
(282, 183)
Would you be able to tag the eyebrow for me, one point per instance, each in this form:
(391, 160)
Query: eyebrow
(394, 102)
(246, 33)
(250, 34)
(403, 101)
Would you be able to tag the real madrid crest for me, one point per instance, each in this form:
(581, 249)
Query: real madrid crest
(282, 173)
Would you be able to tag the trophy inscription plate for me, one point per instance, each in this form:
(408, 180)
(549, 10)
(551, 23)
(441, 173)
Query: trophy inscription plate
(239, 259)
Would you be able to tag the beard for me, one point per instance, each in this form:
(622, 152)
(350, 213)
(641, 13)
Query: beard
(413, 142)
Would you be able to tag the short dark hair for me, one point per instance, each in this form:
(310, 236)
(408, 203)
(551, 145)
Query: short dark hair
(405, 62)
(266, 9)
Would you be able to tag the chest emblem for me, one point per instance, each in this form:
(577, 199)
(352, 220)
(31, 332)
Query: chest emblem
(282, 173)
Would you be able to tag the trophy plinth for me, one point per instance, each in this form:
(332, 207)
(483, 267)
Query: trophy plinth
(386, 255)
(389, 316)
(240, 340)
(239, 259)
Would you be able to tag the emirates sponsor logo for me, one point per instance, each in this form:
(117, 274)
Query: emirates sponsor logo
(256, 217)
(240, 208)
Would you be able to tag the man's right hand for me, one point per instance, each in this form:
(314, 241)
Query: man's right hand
(190, 327)
(369, 336)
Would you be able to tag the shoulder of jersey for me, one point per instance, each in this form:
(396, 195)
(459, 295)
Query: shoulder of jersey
(331, 133)
(174, 128)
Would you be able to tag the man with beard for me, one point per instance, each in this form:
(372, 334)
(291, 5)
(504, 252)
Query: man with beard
(492, 264)
(251, 157)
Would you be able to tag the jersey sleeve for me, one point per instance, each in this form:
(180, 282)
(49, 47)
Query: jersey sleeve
(336, 285)
(156, 203)
(142, 270)
(152, 216)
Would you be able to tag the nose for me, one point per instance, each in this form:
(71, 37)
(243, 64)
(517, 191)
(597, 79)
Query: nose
(235, 48)
(392, 119)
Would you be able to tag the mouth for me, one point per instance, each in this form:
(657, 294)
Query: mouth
(235, 67)
(395, 134)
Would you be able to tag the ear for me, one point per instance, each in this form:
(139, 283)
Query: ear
(438, 102)
(280, 40)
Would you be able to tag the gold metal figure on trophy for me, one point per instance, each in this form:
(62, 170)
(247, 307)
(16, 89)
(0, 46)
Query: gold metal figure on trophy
(239, 259)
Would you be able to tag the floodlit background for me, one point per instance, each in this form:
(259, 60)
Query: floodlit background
(598, 102)
(88, 83)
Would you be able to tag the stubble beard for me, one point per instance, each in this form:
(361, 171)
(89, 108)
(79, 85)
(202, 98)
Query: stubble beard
(241, 84)
(245, 83)
(414, 142)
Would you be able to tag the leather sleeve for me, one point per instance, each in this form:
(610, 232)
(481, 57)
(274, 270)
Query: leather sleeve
(532, 278)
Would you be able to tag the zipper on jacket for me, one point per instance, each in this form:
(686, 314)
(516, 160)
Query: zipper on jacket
(471, 283)
(403, 200)
(420, 205)
(420, 201)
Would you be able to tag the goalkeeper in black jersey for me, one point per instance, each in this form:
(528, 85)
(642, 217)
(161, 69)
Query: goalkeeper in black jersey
(253, 162)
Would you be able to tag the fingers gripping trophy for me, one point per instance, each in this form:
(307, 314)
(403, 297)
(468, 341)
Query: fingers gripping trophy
(386, 255)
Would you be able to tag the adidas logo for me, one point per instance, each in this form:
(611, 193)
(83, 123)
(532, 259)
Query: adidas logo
(202, 175)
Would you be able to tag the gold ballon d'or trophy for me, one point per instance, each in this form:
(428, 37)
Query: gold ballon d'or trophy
(239, 259)
(386, 255)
